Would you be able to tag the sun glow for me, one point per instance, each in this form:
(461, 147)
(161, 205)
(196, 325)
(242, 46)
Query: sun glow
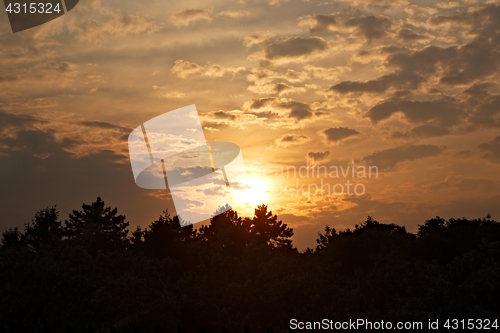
(251, 193)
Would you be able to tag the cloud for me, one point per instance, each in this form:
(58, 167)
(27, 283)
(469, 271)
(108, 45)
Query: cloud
(8, 78)
(224, 115)
(288, 140)
(370, 27)
(281, 106)
(465, 184)
(295, 47)
(387, 159)
(296, 76)
(486, 106)
(45, 152)
(118, 24)
(216, 120)
(323, 73)
(280, 89)
(444, 112)
(375, 3)
(337, 134)
(234, 13)
(185, 68)
(422, 131)
(318, 157)
(298, 110)
(492, 150)
(104, 125)
(379, 85)
(318, 23)
(257, 38)
(406, 35)
(419, 12)
(276, 3)
(291, 49)
(186, 17)
(264, 81)
(16, 121)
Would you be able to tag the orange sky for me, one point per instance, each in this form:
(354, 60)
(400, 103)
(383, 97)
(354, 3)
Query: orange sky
(409, 87)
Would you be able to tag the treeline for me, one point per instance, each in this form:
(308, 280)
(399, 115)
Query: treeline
(91, 274)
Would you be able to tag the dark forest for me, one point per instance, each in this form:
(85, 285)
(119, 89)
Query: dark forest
(90, 273)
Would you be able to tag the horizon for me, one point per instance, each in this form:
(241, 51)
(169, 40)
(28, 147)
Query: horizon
(407, 87)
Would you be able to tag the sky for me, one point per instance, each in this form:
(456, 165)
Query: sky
(408, 90)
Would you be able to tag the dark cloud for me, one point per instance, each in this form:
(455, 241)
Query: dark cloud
(323, 23)
(371, 27)
(471, 63)
(224, 115)
(280, 88)
(461, 64)
(450, 66)
(422, 131)
(16, 120)
(214, 124)
(298, 110)
(8, 78)
(465, 184)
(387, 159)
(188, 16)
(292, 140)
(492, 150)
(295, 47)
(37, 171)
(104, 125)
(58, 67)
(486, 108)
(259, 103)
(265, 114)
(442, 112)
(408, 36)
(337, 134)
(318, 157)
(381, 84)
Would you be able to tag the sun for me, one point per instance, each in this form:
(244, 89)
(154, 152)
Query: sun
(253, 191)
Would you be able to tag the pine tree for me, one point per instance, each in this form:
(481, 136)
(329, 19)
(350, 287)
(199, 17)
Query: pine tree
(100, 225)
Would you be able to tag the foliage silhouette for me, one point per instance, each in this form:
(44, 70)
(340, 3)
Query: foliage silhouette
(239, 273)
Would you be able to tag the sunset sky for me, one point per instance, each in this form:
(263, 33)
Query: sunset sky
(410, 87)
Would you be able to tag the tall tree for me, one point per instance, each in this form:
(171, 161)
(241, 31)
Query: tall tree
(45, 229)
(165, 237)
(11, 237)
(100, 225)
(267, 229)
(227, 231)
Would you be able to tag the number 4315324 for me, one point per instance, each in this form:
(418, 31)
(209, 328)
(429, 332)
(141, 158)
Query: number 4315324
(33, 8)
(471, 324)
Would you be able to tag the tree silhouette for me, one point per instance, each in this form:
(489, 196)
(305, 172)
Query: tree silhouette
(100, 227)
(226, 232)
(239, 273)
(11, 237)
(165, 238)
(44, 229)
(267, 229)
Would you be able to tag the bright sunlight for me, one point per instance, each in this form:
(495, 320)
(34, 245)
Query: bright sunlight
(253, 192)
